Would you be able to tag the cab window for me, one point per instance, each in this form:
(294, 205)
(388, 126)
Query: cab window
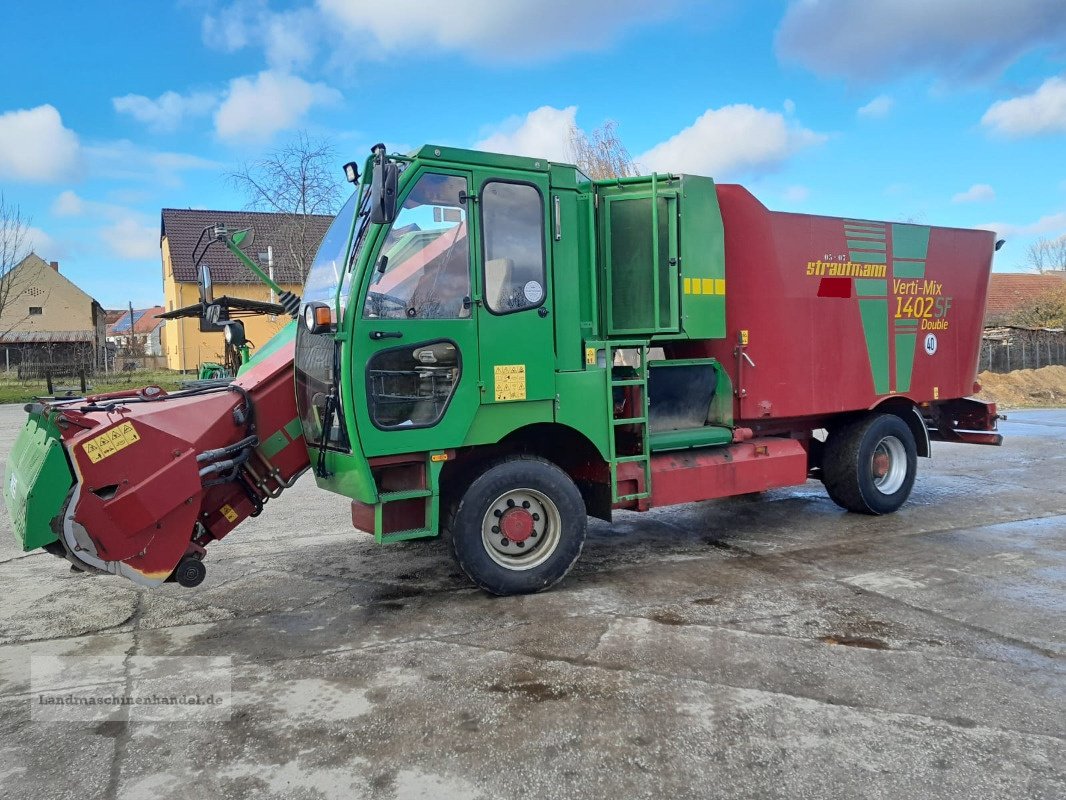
(513, 225)
(423, 271)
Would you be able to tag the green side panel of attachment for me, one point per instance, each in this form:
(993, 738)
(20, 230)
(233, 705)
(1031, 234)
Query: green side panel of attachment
(910, 241)
(702, 238)
(36, 483)
(865, 257)
(871, 287)
(706, 436)
(905, 343)
(875, 327)
(908, 269)
(279, 340)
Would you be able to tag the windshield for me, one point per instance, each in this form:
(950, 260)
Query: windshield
(329, 269)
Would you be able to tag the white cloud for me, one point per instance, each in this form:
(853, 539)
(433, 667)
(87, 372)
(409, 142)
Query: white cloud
(288, 38)
(127, 233)
(132, 238)
(68, 204)
(36, 147)
(1043, 111)
(1051, 223)
(42, 244)
(730, 140)
(257, 107)
(878, 107)
(168, 111)
(493, 30)
(544, 133)
(124, 160)
(880, 38)
(978, 193)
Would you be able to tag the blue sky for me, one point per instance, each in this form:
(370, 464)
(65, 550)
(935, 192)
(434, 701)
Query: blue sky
(938, 111)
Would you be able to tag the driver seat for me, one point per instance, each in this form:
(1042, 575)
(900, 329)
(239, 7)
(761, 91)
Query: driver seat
(498, 277)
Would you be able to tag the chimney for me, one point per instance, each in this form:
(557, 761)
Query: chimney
(54, 265)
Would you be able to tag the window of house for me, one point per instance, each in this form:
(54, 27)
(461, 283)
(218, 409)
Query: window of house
(35, 310)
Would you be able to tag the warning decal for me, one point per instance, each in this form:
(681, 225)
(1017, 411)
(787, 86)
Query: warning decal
(107, 444)
(510, 381)
(229, 513)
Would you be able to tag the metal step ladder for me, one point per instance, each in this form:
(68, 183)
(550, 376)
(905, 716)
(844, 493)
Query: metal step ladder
(640, 382)
(429, 496)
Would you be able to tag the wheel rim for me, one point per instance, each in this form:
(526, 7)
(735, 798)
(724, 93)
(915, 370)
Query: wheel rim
(521, 529)
(888, 465)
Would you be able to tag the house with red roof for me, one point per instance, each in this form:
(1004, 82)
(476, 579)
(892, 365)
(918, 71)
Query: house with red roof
(142, 327)
(1009, 292)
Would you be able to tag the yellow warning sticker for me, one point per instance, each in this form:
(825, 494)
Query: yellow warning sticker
(590, 355)
(229, 513)
(110, 442)
(510, 381)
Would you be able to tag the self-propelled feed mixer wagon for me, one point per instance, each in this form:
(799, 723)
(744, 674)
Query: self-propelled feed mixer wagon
(494, 348)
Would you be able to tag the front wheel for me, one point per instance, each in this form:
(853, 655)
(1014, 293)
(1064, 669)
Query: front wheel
(869, 466)
(519, 527)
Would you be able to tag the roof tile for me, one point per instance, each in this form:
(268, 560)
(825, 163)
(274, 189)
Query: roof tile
(1009, 291)
(182, 228)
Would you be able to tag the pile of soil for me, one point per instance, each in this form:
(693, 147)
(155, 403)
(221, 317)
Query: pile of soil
(1025, 387)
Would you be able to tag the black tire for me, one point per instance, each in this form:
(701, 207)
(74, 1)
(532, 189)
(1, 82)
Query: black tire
(548, 512)
(869, 466)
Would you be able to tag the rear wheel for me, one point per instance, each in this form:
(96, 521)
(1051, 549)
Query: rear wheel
(519, 527)
(869, 466)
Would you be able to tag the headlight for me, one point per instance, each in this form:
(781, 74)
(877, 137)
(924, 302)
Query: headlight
(309, 317)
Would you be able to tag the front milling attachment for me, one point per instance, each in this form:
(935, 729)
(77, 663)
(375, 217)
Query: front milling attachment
(139, 483)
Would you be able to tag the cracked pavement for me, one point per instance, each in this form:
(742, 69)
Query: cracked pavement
(748, 648)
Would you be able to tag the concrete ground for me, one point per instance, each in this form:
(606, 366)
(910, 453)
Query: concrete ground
(756, 647)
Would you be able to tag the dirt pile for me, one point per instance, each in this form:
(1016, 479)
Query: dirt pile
(1025, 387)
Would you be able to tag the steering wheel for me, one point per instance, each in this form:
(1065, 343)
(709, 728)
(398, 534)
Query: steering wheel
(380, 299)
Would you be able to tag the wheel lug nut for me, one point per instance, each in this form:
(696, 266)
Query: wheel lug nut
(525, 504)
(532, 534)
(536, 517)
(495, 528)
(497, 513)
(520, 544)
(510, 503)
(505, 542)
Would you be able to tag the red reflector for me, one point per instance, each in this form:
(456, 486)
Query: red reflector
(834, 287)
(976, 387)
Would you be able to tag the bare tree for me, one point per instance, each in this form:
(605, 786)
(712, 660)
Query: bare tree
(1045, 255)
(297, 180)
(601, 154)
(1046, 310)
(14, 247)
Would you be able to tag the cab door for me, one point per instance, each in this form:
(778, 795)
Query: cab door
(415, 365)
(515, 329)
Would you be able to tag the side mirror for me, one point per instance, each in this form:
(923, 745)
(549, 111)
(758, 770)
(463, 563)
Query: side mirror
(383, 188)
(243, 239)
(207, 289)
(213, 314)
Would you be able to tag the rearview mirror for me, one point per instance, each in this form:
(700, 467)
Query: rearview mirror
(383, 188)
(243, 239)
(205, 286)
